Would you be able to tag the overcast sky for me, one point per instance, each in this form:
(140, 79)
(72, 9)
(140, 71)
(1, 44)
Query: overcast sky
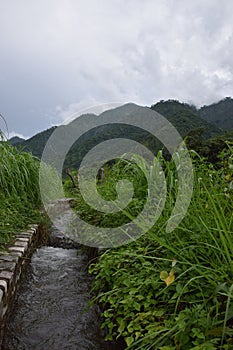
(61, 56)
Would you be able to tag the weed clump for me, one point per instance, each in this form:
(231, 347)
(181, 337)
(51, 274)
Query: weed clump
(19, 190)
(170, 290)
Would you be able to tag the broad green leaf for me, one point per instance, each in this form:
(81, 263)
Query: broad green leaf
(129, 341)
(163, 275)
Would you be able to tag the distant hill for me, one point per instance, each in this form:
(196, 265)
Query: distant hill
(14, 140)
(185, 118)
(220, 113)
(110, 131)
(36, 143)
(101, 133)
(201, 125)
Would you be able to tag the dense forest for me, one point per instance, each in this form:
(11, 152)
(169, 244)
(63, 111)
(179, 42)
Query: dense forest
(205, 130)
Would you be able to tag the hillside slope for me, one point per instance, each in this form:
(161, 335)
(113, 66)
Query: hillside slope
(14, 140)
(36, 143)
(220, 113)
(209, 122)
(185, 118)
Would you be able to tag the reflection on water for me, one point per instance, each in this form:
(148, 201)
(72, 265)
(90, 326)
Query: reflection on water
(50, 311)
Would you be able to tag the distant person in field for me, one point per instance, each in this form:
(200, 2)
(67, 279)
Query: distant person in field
(100, 175)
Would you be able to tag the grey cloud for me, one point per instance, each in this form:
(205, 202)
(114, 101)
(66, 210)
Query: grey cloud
(80, 53)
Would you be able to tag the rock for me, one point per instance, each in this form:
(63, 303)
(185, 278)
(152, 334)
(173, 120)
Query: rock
(59, 240)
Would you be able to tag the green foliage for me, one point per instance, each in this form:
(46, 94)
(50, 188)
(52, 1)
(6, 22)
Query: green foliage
(36, 143)
(18, 173)
(19, 191)
(123, 169)
(220, 113)
(194, 139)
(173, 291)
(185, 118)
(106, 132)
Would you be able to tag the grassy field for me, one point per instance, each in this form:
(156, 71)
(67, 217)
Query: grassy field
(19, 191)
(170, 291)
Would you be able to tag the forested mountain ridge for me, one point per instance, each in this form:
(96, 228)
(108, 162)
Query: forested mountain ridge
(185, 117)
(220, 113)
(15, 139)
(205, 127)
(36, 143)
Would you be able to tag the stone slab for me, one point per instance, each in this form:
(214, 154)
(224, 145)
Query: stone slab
(7, 265)
(3, 285)
(16, 249)
(19, 243)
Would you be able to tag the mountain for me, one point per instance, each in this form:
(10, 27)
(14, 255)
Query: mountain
(36, 143)
(199, 125)
(108, 126)
(220, 113)
(185, 118)
(14, 140)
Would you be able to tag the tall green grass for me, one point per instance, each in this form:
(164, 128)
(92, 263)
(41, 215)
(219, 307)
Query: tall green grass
(19, 190)
(18, 173)
(191, 307)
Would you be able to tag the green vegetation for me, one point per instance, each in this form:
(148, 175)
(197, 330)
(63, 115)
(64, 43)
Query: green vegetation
(170, 291)
(220, 113)
(19, 191)
(185, 118)
(215, 121)
(163, 291)
(35, 144)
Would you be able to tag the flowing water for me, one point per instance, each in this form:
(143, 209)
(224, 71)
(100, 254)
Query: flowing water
(50, 310)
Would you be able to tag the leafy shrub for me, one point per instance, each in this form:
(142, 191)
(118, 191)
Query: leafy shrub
(174, 291)
(19, 190)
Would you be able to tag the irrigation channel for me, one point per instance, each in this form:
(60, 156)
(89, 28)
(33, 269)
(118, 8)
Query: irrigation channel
(51, 306)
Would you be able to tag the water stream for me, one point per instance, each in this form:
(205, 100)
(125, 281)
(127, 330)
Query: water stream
(50, 310)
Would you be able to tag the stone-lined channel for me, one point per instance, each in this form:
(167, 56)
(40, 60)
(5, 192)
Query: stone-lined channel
(51, 310)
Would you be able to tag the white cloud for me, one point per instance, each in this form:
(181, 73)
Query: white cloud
(74, 110)
(13, 134)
